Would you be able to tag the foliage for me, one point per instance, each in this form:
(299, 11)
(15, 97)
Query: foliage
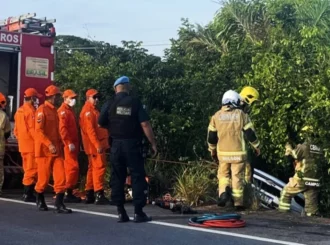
(281, 47)
(194, 185)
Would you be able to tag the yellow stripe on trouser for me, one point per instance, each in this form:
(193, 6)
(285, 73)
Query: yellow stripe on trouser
(234, 171)
(293, 188)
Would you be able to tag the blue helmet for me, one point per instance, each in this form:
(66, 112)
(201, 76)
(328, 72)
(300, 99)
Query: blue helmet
(121, 80)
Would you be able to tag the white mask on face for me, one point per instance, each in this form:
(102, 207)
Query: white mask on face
(72, 102)
(36, 103)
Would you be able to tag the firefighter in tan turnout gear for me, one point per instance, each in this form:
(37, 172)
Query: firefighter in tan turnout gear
(306, 177)
(249, 95)
(226, 143)
(5, 130)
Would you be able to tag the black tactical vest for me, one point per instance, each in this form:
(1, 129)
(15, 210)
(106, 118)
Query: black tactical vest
(123, 118)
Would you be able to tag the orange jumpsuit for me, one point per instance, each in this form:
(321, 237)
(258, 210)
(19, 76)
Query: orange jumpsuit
(24, 132)
(69, 134)
(93, 137)
(47, 133)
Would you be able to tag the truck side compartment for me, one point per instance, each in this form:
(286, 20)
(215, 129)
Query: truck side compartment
(8, 77)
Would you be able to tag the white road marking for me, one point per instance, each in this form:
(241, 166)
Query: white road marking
(226, 233)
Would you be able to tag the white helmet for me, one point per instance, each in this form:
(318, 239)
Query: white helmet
(231, 97)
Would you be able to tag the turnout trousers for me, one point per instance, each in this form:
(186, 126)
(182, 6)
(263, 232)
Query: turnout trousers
(249, 168)
(46, 167)
(127, 154)
(30, 169)
(71, 168)
(96, 172)
(293, 188)
(232, 174)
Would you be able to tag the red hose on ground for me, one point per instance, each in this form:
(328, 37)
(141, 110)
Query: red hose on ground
(217, 221)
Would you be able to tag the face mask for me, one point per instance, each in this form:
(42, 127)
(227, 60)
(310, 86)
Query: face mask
(36, 102)
(72, 102)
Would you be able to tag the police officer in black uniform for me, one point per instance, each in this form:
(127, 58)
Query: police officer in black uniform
(126, 121)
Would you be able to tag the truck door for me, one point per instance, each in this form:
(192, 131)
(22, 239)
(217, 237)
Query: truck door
(9, 68)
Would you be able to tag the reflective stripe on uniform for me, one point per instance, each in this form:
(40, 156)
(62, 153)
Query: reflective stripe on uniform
(212, 147)
(224, 181)
(294, 154)
(247, 126)
(237, 193)
(256, 144)
(284, 206)
(226, 153)
(311, 179)
(211, 128)
(243, 142)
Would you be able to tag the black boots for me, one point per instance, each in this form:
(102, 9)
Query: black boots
(70, 198)
(28, 194)
(224, 197)
(90, 197)
(101, 199)
(59, 204)
(41, 204)
(140, 216)
(122, 215)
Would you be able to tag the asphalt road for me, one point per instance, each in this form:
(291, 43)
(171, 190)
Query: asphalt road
(22, 224)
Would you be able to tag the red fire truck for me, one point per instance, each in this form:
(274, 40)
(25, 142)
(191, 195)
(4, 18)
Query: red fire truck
(26, 60)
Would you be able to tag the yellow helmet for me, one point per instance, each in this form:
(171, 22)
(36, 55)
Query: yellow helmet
(249, 94)
(306, 132)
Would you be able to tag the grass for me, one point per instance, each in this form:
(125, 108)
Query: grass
(194, 185)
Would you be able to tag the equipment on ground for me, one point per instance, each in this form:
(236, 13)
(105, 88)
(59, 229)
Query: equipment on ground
(168, 202)
(217, 221)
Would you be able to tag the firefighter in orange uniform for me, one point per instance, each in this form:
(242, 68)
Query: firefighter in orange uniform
(24, 132)
(69, 135)
(48, 151)
(95, 142)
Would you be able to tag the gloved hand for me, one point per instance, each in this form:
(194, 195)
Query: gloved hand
(288, 149)
(257, 151)
(214, 156)
(71, 147)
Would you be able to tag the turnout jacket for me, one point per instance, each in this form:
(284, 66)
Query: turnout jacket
(226, 132)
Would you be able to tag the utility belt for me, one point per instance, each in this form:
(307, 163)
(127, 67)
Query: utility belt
(134, 142)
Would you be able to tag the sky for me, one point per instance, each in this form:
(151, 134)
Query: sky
(154, 22)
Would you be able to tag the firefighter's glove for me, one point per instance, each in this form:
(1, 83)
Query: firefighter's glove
(288, 149)
(214, 156)
(257, 151)
(71, 147)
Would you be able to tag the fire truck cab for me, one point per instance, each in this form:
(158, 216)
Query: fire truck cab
(26, 60)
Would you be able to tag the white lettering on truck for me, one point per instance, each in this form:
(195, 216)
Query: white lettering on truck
(9, 38)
